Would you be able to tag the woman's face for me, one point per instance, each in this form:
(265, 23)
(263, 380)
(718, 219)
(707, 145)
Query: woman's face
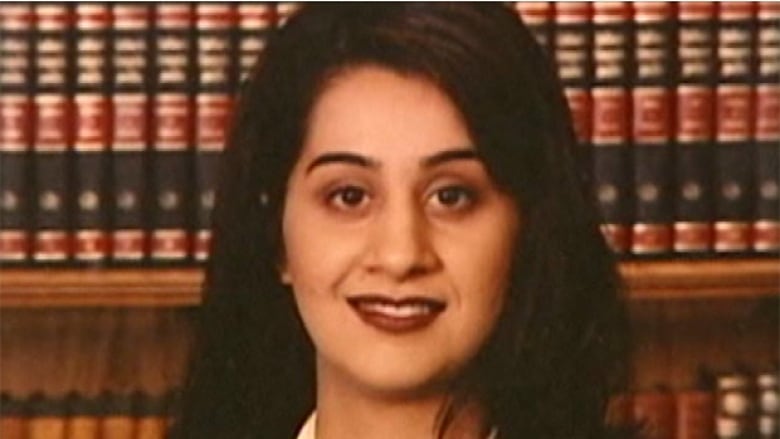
(398, 243)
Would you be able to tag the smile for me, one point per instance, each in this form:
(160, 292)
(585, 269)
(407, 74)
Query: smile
(396, 316)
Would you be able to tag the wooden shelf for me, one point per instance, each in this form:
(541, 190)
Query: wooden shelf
(74, 287)
(180, 287)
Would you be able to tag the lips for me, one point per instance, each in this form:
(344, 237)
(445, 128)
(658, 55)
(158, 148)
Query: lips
(396, 315)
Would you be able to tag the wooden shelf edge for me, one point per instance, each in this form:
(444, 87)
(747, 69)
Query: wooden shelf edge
(180, 287)
(74, 287)
(702, 279)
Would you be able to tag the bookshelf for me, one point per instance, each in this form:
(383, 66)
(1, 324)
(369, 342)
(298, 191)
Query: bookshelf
(745, 278)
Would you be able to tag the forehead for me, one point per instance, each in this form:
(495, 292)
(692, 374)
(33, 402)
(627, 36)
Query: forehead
(383, 114)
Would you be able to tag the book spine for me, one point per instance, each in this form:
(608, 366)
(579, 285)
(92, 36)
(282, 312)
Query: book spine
(768, 405)
(695, 414)
(620, 412)
(611, 121)
(83, 420)
(734, 103)
(538, 17)
(117, 420)
(736, 406)
(16, 119)
(47, 418)
(255, 22)
(172, 133)
(53, 135)
(651, 92)
(13, 416)
(655, 414)
(213, 103)
(572, 43)
(150, 416)
(131, 94)
(285, 10)
(694, 128)
(92, 131)
(766, 225)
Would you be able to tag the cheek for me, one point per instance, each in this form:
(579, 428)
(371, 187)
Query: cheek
(480, 264)
(316, 257)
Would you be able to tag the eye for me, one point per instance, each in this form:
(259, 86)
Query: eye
(453, 198)
(348, 197)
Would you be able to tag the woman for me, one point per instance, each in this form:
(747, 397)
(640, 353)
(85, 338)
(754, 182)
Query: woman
(403, 247)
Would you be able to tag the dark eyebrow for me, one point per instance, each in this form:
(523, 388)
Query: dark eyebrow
(342, 157)
(366, 162)
(448, 155)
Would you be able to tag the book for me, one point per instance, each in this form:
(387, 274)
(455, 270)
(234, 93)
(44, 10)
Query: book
(694, 128)
(651, 98)
(255, 22)
(538, 17)
(611, 128)
(47, 417)
(52, 140)
(572, 51)
(216, 52)
(151, 417)
(91, 133)
(695, 415)
(734, 115)
(131, 132)
(13, 417)
(83, 417)
(736, 415)
(116, 420)
(766, 127)
(16, 117)
(172, 138)
(768, 399)
(655, 414)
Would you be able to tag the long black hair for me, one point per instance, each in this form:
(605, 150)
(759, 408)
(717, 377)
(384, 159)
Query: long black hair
(559, 345)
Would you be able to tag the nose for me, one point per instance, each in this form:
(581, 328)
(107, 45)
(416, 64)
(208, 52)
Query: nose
(401, 245)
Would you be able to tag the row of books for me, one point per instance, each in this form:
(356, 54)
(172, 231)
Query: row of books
(113, 116)
(76, 416)
(733, 405)
(677, 109)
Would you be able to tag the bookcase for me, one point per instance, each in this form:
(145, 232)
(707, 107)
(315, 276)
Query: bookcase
(66, 328)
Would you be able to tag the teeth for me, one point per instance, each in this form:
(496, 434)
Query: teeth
(397, 311)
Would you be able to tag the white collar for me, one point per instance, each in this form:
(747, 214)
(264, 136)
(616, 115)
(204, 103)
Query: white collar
(307, 431)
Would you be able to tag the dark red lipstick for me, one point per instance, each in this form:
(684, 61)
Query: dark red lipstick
(396, 315)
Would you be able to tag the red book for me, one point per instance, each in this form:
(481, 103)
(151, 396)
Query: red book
(255, 21)
(572, 50)
(620, 412)
(92, 114)
(538, 17)
(53, 133)
(131, 132)
(13, 419)
(16, 123)
(695, 414)
(651, 97)
(694, 128)
(734, 128)
(172, 138)
(766, 224)
(611, 128)
(215, 56)
(655, 414)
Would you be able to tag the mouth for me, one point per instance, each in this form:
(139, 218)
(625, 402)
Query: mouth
(396, 315)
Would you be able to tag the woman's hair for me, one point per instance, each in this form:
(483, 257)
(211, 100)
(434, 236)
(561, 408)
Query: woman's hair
(558, 347)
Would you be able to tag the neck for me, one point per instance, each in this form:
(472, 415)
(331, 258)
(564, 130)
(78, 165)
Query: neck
(345, 409)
